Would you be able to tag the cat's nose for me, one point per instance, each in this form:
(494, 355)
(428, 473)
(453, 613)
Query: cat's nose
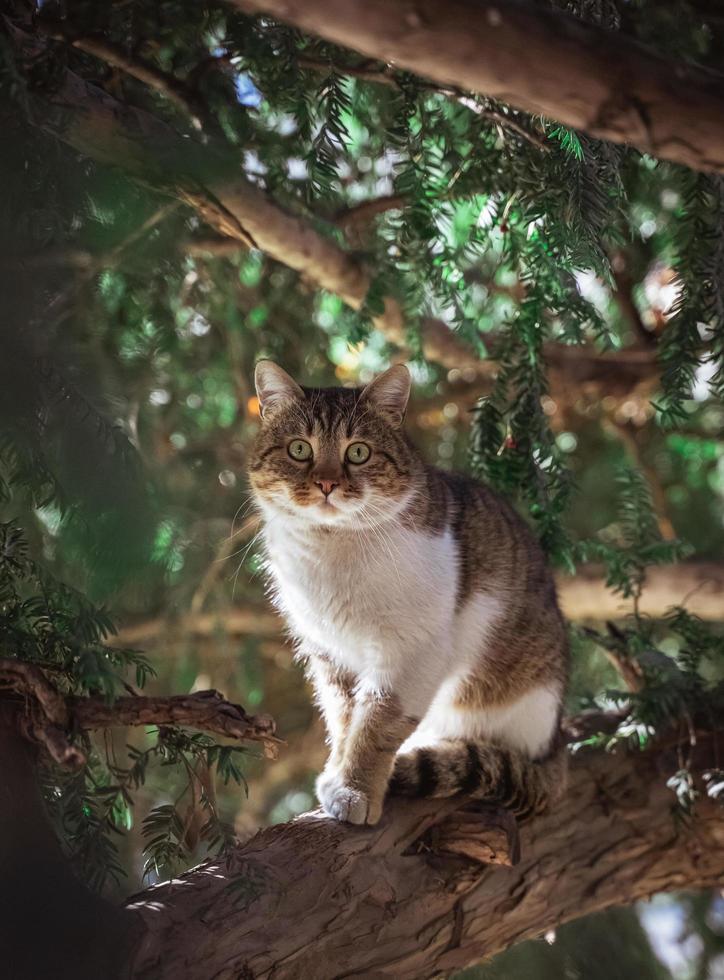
(326, 486)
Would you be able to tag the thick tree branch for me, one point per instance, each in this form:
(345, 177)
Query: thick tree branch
(317, 898)
(51, 718)
(541, 61)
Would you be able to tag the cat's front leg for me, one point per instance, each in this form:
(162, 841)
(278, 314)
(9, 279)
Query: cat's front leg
(355, 791)
(334, 691)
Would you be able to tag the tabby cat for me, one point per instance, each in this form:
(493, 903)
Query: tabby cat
(420, 601)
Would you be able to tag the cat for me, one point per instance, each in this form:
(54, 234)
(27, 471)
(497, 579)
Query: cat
(420, 601)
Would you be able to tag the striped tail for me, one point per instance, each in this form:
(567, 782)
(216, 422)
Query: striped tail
(483, 771)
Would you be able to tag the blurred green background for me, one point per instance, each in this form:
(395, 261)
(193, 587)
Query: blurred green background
(130, 332)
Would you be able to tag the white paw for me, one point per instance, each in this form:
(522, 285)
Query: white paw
(344, 802)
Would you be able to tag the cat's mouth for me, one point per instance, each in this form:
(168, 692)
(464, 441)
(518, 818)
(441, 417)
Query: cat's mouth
(331, 507)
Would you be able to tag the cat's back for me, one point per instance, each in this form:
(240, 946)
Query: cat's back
(497, 550)
(509, 636)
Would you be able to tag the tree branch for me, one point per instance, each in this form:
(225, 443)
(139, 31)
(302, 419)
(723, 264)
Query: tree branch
(697, 585)
(209, 179)
(318, 898)
(51, 718)
(206, 711)
(362, 214)
(46, 716)
(542, 61)
(166, 85)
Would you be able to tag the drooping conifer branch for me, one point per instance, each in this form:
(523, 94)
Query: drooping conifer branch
(539, 60)
(210, 180)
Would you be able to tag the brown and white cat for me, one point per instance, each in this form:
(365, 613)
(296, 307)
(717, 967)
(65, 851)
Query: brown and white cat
(420, 600)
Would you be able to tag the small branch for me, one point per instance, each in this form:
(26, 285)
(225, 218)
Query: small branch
(627, 668)
(170, 88)
(499, 117)
(367, 70)
(206, 711)
(365, 211)
(624, 297)
(217, 247)
(630, 437)
(90, 268)
(224, 551)
(51, 717)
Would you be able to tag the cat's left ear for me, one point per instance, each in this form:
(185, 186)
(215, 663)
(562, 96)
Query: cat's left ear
(274, 387)
(390, 392)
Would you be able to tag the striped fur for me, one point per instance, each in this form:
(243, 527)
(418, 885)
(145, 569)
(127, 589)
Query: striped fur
(419, 599)
(481, 770)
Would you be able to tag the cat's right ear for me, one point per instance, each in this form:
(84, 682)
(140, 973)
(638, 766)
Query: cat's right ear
(389, 393)
(274, 387)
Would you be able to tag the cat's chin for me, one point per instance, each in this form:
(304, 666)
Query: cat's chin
(329, 514)
(315, 515)
(350, 515)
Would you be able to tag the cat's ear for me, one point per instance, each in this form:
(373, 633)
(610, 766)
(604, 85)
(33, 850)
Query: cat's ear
(274, 387)
(389, 393)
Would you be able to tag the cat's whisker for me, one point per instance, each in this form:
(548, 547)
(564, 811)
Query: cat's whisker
(248, 501)
(385, 540)
(246, 551)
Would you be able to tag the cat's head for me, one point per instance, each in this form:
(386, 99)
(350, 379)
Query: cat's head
(332, 456)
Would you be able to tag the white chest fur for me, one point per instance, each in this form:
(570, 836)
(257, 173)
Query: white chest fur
(354, 594)
(380, 603)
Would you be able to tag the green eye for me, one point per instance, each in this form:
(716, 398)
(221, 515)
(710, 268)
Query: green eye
(358, 452)
(299, 449)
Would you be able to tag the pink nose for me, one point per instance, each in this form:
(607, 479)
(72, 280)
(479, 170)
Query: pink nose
(326, 486)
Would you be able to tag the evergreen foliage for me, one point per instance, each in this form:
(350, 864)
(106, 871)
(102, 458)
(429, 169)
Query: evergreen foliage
(130, 339)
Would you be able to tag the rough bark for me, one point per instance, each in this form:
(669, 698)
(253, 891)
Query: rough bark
(205, 711)
(420, 895)
(542, 61)
(318, 899)
(48, 717)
